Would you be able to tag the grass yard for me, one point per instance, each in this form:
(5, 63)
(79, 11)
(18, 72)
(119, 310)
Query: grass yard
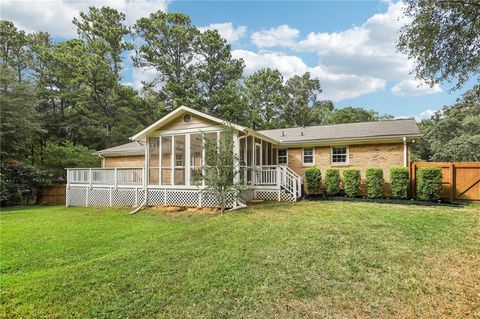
(308, 259)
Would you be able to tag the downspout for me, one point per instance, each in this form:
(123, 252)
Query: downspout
(103, 159)
(405, 148)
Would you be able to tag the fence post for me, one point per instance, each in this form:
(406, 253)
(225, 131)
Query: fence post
(90, 177)
(115, 179)
(413, 179)
(452, 182)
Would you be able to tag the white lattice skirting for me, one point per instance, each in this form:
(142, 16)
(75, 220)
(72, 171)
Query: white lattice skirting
(110, 196)
(273, 195)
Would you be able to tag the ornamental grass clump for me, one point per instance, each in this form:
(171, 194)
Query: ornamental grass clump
(374, 182)
(351, 181)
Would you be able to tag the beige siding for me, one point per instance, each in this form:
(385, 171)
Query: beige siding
(124, 161)
(196, 122)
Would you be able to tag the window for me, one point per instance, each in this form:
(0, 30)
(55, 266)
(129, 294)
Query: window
(282, 157)
(179, 151)
(308, 156)
(187, 118)
(166, 161)
(340, 155)
(153, 161)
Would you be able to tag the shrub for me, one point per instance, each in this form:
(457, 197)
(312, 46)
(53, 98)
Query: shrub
(332, 181)
(19, 183)
(351, 181)
(313, 176)
(429, 183)
(399, 181)
(374, 182)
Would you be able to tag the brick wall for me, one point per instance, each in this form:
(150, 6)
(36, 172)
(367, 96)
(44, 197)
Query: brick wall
(362, 157)
(124, 161)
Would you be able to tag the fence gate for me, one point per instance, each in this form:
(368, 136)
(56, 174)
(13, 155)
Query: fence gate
(461, 180)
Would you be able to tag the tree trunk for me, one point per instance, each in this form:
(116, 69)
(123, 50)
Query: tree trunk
(108, 138)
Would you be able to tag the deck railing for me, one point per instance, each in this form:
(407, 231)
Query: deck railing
(105, 176)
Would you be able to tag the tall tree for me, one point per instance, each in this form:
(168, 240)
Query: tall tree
(453, 134)
(443, 38)
(19, 125)
(352, 114)
(303, 94)
(265, 98)
(216, 73)
(167, 44)
(104, 34)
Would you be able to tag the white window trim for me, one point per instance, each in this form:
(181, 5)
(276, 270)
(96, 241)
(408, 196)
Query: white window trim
(278, 155)
(303, 156)
(342, 163)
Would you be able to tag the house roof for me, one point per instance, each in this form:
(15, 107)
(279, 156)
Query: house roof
(325, 134)
(132, 148)
(349, 131)
(184, 109)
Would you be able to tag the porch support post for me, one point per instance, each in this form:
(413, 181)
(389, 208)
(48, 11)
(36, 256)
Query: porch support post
(236, 163)
(146, 169)
(187, 159)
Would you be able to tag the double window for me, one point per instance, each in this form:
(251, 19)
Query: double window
(308, 156)
(339, 155)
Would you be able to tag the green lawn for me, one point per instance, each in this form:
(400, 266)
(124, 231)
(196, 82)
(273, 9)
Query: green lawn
(308, 259)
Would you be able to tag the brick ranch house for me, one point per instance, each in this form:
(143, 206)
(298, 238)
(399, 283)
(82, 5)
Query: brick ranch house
(158, 166)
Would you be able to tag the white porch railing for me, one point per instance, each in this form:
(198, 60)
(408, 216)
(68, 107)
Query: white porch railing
(274, 177)
(105, 176)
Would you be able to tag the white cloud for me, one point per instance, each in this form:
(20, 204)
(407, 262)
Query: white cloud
(368, 49)
(335, 86)
(55, 16)
(140, 75)
(227, 30)
(415, 87)
(280, 36)
(424, 115)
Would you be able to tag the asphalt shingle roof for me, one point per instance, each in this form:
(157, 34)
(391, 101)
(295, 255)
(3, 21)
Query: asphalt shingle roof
(132, 148)
(401, 127)
(378, 129)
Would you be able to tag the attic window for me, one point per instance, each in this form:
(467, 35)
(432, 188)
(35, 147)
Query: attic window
(187, 118)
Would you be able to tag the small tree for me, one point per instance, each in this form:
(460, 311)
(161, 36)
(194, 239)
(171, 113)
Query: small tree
(221, 175)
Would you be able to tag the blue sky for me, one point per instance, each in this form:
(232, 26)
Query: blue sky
(348, 45)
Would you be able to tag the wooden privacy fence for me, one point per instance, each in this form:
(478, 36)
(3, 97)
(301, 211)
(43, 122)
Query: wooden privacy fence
(461, 180)
(52, 195)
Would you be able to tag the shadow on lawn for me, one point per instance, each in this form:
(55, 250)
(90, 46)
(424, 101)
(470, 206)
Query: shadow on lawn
(407, 202)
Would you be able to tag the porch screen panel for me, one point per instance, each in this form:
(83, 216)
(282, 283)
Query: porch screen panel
(166, 160)
(195, 159)
(153, 162)
(211, 137)
(179, 172)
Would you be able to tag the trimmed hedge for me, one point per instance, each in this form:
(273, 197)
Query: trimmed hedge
(374, 182)
(332, 181)
(429, 183)
(313, 176)
(351, 181)
(399, 181)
